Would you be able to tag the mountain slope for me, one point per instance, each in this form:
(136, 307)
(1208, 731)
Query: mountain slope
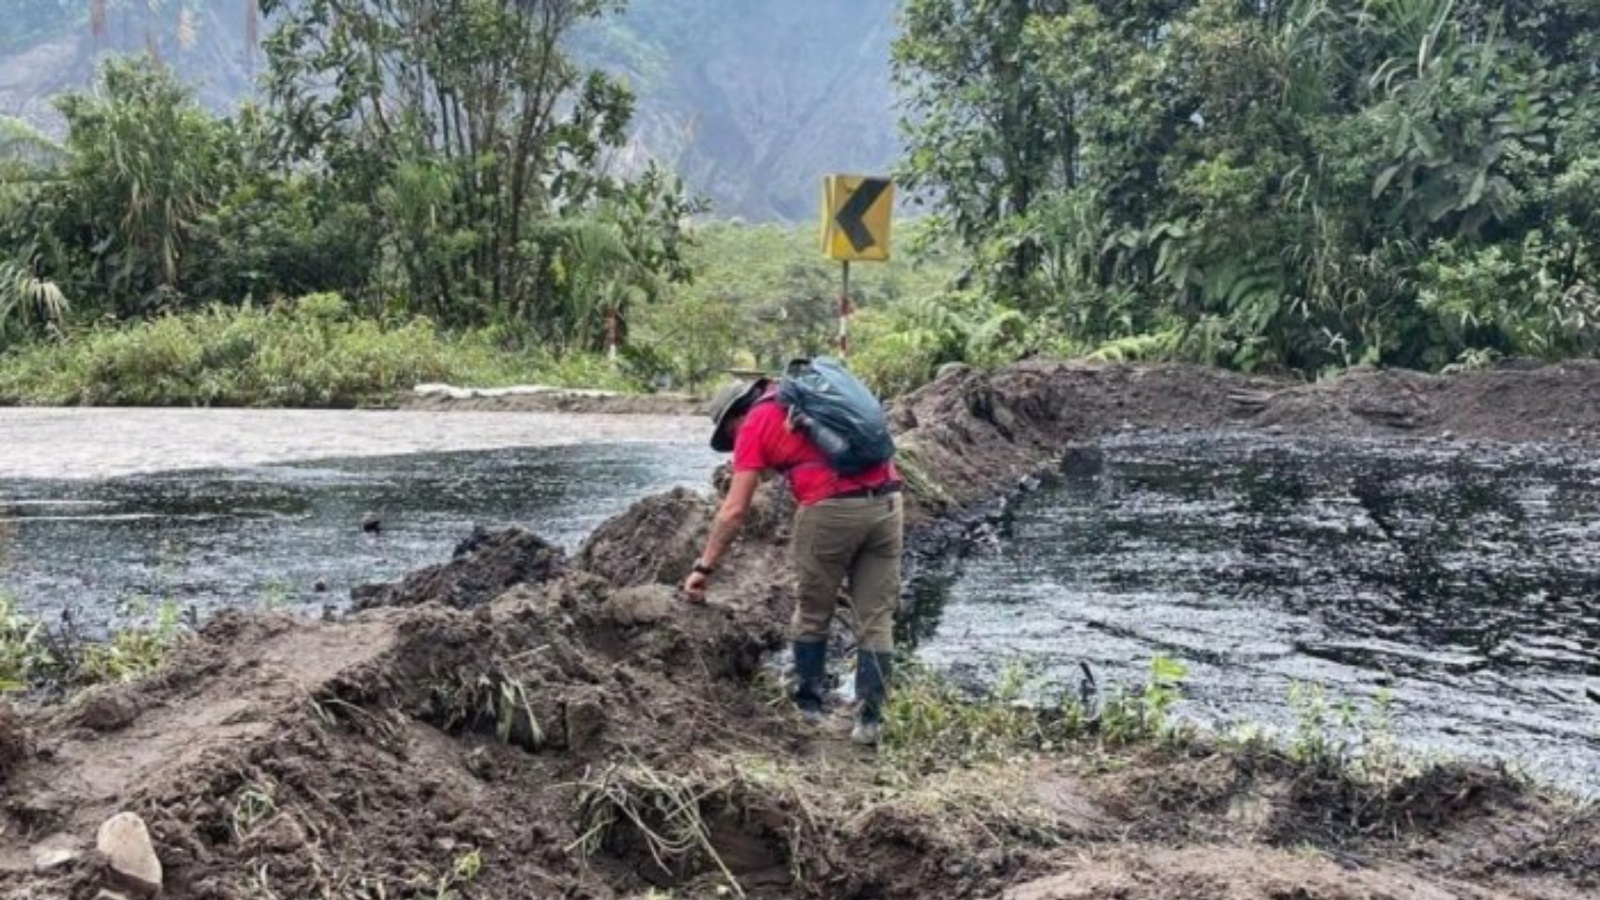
(753, 101)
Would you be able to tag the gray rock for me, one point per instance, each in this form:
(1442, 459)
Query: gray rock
(125, 842)
(642, 605)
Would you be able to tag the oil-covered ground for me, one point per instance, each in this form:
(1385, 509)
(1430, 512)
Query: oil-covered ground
(291, 535)
(1462, 579)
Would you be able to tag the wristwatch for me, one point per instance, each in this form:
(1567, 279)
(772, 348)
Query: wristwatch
(703, 569)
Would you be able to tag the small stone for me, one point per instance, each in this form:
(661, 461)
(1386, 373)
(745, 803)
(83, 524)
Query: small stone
(47, 858)
(124, 841)
(641, 605)
(481, 763)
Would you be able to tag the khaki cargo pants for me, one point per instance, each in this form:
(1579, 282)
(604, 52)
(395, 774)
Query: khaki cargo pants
(858, 537)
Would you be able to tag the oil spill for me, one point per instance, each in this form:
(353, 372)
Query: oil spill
(1461, 580)
(291, 535)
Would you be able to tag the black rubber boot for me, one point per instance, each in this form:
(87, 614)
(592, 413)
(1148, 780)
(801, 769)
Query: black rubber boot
(811, 677)
(874, 670)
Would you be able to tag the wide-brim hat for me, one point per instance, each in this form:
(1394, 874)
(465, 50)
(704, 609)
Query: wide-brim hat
(731, 401)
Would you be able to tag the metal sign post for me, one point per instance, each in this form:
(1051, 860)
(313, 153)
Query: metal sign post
(844, 311)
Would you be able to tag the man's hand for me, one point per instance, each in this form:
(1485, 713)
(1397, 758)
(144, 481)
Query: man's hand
(724, 528)
(695, 587)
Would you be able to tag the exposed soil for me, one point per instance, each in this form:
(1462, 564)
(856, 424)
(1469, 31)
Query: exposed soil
(586, 733)
(483, 566)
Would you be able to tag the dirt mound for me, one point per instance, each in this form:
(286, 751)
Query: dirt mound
(1212, 873)
(483, 566)
(656, 541)
(1512, 403)
(572, 738)
(970, 440)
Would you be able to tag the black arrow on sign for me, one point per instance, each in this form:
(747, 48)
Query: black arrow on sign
(850, 216)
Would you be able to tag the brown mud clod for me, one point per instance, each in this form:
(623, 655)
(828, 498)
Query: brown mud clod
(516, 724)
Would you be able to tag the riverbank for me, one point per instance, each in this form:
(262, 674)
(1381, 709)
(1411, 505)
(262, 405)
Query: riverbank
(77, 442)
(547, 398)
(309, 353)
(590, 735)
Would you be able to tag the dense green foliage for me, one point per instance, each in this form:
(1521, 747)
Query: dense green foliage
(763, 294)
(1294, 183)
(457, 168)
(1290, 185)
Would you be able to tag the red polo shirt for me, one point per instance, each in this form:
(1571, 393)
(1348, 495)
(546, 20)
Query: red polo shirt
(766, 442)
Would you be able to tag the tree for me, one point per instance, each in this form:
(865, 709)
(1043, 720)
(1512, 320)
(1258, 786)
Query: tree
(467, 126)
(989, 137)
(1288, 183)
(143, 164)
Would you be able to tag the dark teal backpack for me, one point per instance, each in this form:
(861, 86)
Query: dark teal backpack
(836, 411)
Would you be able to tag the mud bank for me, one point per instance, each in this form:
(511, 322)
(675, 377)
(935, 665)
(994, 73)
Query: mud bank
(586, 734)
(547, 399)
(970, 436)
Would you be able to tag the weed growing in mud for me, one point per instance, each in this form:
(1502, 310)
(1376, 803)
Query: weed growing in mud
(463, 871)
(24, 654)
(1126, 718)
(130, 653)
(472, 702)
(32, 655)
(255, 804)
(1336, 738)
(275, 596)
(930, 723)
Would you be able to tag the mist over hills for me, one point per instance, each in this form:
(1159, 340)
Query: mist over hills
(752, 101)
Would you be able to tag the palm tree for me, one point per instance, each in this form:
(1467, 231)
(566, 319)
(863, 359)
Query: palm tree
(605, 276)
(27, 300)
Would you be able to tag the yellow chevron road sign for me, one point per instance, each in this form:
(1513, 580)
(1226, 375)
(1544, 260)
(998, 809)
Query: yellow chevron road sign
(855, 217)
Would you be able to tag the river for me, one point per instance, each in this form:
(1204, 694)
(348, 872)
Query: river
(113, 513)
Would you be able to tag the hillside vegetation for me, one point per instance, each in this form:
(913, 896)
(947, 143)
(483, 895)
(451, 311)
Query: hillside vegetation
(1286, 186)
(750, 100)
